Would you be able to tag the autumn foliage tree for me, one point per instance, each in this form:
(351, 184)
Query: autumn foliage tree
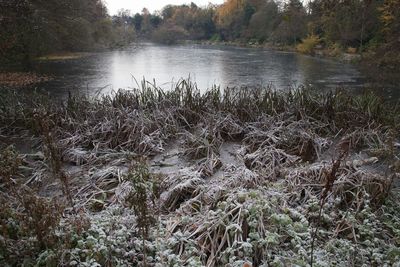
(293, 23)
(197, 22)
(390, 17)
(348, 23)
(231, 18)
(263, 22)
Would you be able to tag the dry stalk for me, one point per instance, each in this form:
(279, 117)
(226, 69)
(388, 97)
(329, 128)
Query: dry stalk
(53, 152)
(330, 177)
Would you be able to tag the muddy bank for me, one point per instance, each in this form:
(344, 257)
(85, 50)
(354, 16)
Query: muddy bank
(21, 79)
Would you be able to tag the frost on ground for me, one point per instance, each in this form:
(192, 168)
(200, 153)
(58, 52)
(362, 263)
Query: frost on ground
(152, 178)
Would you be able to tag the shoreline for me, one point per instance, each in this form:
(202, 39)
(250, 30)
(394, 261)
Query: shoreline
(62, 56)
(361, 61)
(319, 53)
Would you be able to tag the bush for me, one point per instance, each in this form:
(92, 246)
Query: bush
(169, 34)
(215, 38)
(308, 44)
(28, 222)
(351, 50)
(335, 50)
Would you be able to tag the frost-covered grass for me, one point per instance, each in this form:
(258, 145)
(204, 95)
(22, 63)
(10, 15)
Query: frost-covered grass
(257, 175)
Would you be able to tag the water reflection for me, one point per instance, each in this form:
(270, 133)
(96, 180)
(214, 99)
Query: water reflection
(206, 65)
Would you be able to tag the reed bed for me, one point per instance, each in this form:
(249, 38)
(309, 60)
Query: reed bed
(259, 204)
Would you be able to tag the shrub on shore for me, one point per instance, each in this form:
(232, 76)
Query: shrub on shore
(169, 34)
(307, 45)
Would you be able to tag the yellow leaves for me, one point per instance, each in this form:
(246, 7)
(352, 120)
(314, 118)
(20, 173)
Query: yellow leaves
(308, 44)
(390, 18)
(390, 11)
(228, 10)
(387, 19)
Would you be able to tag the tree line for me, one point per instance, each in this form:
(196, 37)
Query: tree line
(31, 28)
(347, 25)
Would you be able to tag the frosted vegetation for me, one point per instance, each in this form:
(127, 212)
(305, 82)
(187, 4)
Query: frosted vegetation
(179, 178)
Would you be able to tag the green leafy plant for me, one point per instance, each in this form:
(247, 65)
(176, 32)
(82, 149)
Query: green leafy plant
(145, 192)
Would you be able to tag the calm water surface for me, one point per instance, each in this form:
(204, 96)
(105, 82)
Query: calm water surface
(205, 65)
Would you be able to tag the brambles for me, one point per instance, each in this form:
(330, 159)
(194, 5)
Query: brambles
(28, 222)
(28, 226)
(40, 218)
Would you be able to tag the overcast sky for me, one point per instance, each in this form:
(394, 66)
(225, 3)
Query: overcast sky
(152, 5)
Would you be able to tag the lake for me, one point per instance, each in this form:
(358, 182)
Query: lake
(206, 65)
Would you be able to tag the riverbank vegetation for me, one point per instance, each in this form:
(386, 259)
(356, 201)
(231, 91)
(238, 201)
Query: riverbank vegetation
(357, 26)
(34, 28)
(179, 178)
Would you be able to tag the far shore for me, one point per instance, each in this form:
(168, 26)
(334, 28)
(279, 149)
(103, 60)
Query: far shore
(349, 57)
(63, 56)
